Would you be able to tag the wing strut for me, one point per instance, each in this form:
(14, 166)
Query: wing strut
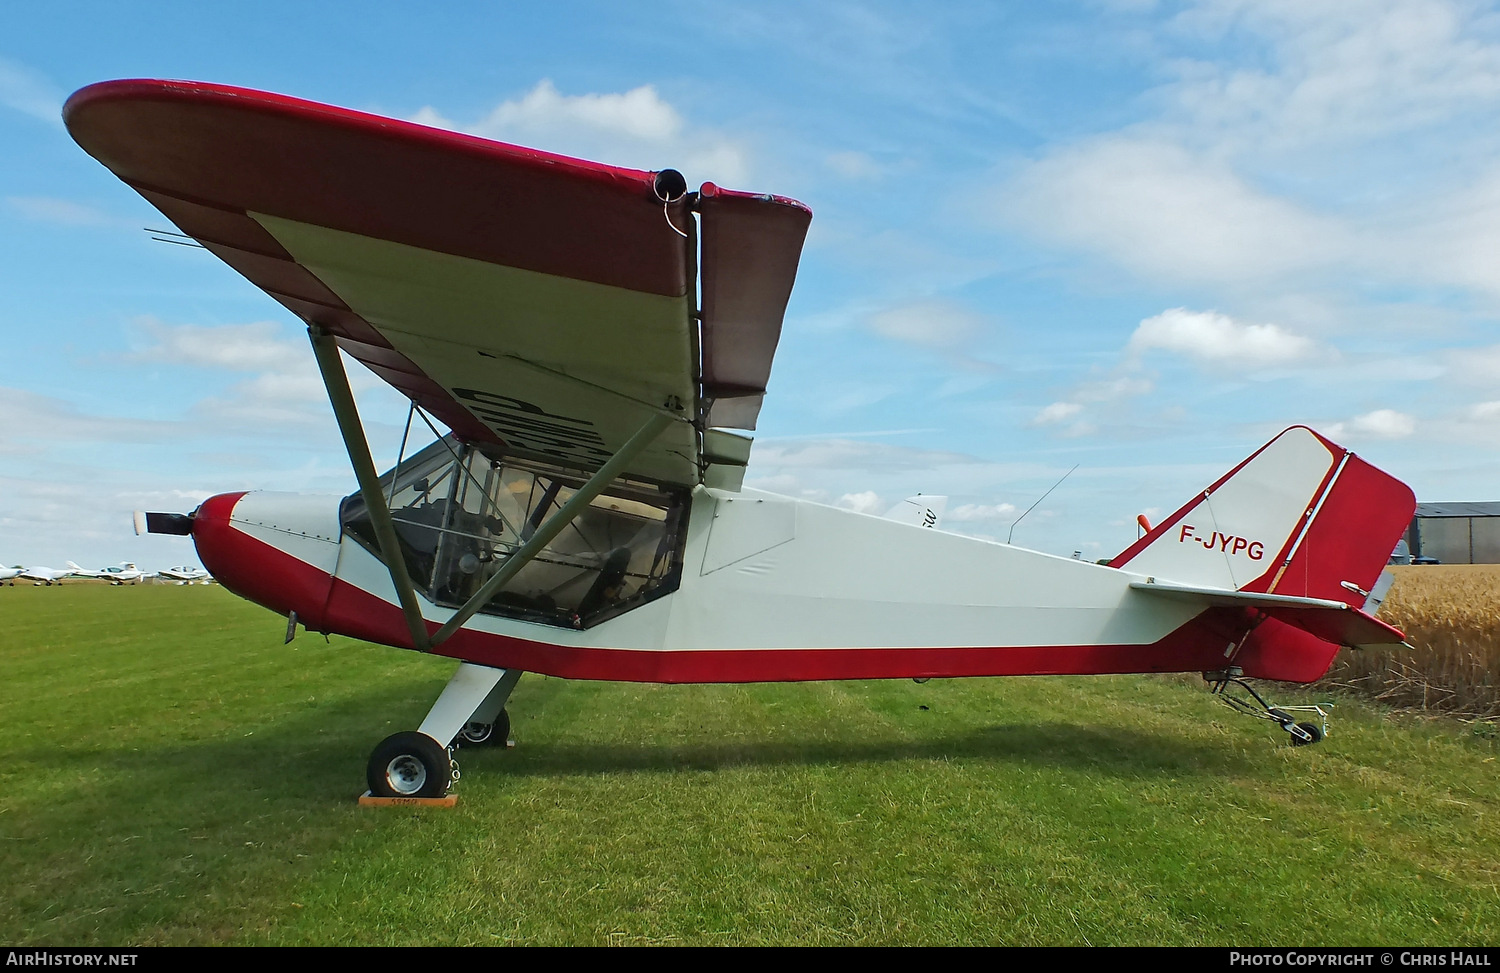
(555, 524)
(344, 410)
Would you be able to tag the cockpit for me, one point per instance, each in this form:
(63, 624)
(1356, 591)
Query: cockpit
(460, 513)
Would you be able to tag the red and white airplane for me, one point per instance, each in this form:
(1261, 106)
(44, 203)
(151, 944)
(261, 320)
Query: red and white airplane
(592, 336)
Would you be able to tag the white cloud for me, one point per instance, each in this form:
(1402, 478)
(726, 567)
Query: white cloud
(27, 91)
(42, 419)
(1380, 424)
(934, 323)
(639, 114)
(61, 212)
(865, 502)
(1057, 412)
(254, 347)
(636, 128)
(1214, 337)
(284, 389)
(982, 511)
(1114, 388)
(1337, 70)
(1476, 366)
(1165, 212)
(848, 455)
(853, 165)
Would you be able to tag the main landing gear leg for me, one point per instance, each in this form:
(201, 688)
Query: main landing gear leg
(420, 763)
(489, 724)
(1302, 733)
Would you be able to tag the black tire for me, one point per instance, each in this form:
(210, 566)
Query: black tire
(496, 734)
(409, 764)
(1313, 730)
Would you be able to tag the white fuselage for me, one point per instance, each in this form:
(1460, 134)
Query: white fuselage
(183, 574)
(41, 575)
(123, 573)
(803, 590)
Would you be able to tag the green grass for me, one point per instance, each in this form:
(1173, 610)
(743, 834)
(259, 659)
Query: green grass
(173, 774)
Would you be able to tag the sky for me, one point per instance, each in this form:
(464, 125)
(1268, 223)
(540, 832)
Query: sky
(1131, 237)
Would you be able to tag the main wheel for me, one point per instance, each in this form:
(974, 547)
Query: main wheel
(486, 734)
(409, 764)
(1313, 730)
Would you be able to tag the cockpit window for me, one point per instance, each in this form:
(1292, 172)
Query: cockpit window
(459, 514)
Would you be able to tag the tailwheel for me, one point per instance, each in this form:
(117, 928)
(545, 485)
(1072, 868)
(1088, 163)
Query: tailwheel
(1305, 734)
(1302, 733)
(409, 764)
(496, 734)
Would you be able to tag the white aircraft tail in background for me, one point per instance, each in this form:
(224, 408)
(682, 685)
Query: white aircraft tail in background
(919, 511)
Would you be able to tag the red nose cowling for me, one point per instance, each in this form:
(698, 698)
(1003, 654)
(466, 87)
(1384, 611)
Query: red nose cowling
(256, 570)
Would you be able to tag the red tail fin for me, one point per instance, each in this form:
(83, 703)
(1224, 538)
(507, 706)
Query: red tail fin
(1302, 516)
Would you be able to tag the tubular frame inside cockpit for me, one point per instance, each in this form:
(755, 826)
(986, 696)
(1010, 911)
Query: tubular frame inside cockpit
(460, 512)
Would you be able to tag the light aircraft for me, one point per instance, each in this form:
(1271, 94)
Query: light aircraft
(39, 576)
(184, 574)
(123, 573)
(593, 337)
(11, 574)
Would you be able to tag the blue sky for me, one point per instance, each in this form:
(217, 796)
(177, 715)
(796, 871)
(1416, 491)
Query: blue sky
(1137, 237)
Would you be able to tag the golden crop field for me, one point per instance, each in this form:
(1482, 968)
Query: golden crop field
(1451, 616)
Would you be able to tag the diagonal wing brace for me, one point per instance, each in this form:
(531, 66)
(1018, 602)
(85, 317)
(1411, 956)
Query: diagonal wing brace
(350, 428)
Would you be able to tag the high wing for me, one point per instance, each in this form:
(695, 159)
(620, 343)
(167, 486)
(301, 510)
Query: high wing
(541, 304)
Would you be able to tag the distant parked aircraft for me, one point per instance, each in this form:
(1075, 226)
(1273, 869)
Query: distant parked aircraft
(184, 574)
(123, 573)
(49, 576)
(11, 574)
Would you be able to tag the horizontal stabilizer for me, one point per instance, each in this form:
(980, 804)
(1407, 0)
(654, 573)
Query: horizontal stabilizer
(1331, 621)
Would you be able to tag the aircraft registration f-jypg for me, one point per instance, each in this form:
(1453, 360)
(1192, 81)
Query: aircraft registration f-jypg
(592, 336)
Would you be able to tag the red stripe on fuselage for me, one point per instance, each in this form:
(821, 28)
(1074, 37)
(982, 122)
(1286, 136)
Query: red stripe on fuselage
(255, 570)
(271, 577)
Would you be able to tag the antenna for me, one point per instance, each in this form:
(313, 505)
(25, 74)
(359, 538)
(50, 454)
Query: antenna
(184, 241)
(1038, 500)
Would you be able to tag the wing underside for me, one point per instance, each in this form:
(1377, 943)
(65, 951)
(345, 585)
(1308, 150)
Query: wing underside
(540, 304)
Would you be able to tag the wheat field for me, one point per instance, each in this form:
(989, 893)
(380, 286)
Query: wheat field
(1451, 616)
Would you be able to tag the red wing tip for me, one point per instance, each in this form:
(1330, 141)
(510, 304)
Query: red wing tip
(710, 190)
(252, 99)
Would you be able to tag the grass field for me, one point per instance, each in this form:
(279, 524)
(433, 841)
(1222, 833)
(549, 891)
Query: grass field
(176, 775)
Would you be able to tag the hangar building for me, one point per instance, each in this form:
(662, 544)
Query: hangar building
(1456, 533)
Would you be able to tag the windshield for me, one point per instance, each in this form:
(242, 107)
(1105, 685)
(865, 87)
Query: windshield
(459, 514)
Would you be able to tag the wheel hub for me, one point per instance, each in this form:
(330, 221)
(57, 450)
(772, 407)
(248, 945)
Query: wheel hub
(406, 774)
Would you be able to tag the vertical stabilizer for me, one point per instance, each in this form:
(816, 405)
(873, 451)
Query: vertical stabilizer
(1303, 517)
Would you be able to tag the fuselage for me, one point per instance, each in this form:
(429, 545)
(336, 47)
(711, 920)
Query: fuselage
(44, 575)
(770, 589)
(124, 573)
(183, 573)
